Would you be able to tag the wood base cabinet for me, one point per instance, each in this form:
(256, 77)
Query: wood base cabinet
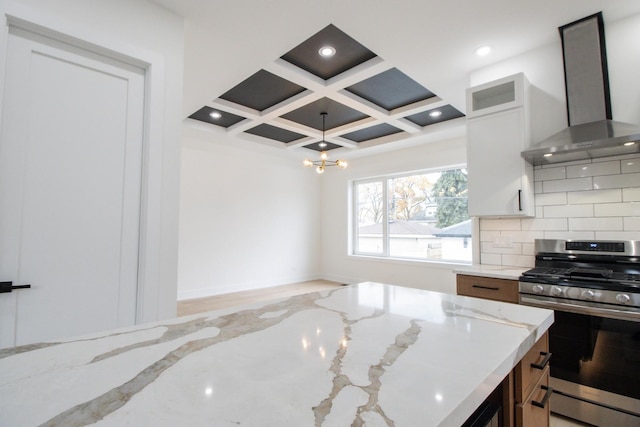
(525, 392)
(535, 411)
(487, 287)
(531, 386)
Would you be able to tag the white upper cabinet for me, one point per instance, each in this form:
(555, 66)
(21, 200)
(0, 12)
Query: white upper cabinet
(500, 181)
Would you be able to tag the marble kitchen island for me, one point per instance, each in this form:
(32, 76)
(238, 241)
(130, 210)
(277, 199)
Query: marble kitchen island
(368, 354)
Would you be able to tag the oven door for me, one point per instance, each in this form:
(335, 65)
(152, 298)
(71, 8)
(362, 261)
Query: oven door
(595, 368)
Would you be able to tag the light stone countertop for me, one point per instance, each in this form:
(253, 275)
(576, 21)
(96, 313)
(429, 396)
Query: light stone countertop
(495, 271)
(367, 354)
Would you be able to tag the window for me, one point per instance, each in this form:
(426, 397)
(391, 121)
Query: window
(421, 216)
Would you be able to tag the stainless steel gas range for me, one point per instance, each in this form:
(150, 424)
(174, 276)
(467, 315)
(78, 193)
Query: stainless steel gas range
(594, 289)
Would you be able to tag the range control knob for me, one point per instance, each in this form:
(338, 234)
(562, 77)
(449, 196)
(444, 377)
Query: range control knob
(623, 298)
(537, 289)
(588, 295)
(556, 291)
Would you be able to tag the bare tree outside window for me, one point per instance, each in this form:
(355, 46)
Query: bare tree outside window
(370, 203)
(411, 194)
(370, 213)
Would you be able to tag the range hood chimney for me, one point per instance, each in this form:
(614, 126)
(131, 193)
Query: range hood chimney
(591, 132)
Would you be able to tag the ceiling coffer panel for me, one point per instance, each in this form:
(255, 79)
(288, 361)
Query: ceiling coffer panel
(275, 133)
(372, 132)
(262, 90)
(216, 117)
(348, 53)
(391, 89)
(337, 114)
(429, 117)
(316, 146)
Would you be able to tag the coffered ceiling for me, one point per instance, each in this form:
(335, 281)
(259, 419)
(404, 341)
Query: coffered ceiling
(257, 64)
(367, 101)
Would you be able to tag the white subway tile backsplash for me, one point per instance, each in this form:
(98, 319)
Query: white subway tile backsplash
(525, 261)
(616, 181)
(568, 211)
(546, 199)
(631, 194)
(575, 184)
(621, 157)
(630, 165)
(500, 224)
(491, 259)
(529, 248)
(595, 196)
(492, 248)
(596, 224)
(618, 235)
(577, 235)
(632, 223)
(543, 224)
(489, 235)
(617, 209)
(550, 173)
(537, 187)
(524, 236)
(593, 169)
(565, 164)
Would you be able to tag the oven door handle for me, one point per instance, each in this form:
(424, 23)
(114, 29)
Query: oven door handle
(633, 316)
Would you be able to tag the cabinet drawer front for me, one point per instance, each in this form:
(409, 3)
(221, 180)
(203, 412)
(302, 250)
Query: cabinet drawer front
(488, 288)
(532, 367)
(535, 411)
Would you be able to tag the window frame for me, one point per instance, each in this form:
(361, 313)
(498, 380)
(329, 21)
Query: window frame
(355, 219)
(386, 250)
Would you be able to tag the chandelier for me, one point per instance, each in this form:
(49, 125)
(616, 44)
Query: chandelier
(324, 158)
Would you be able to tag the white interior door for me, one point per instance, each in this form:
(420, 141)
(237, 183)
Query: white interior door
(70, 178)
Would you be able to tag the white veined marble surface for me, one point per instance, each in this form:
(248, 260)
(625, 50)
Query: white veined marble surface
(365, 355)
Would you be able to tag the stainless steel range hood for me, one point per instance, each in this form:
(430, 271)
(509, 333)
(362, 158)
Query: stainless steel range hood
(591, 132)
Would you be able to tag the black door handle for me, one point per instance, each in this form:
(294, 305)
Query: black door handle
(547, 395)
(6, 287)
(520, 200)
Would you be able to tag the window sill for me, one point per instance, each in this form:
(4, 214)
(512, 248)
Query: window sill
(406, 261)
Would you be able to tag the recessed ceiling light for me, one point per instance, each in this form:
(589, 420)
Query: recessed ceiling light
(327, 51)
(630, 143)
(435, 113)
(215, 115)
(322, 144)
(483, 50)
(548, 155)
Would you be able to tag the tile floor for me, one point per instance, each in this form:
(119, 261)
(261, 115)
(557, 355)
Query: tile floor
(247, 297)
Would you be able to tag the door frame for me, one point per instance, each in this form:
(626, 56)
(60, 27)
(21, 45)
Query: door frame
(151, 206)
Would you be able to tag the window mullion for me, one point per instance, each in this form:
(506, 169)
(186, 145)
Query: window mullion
(385, 219)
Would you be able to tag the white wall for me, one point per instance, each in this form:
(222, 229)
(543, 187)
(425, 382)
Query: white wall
(597, 199)
(249, 217)
(337, 264)
(145, 31)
